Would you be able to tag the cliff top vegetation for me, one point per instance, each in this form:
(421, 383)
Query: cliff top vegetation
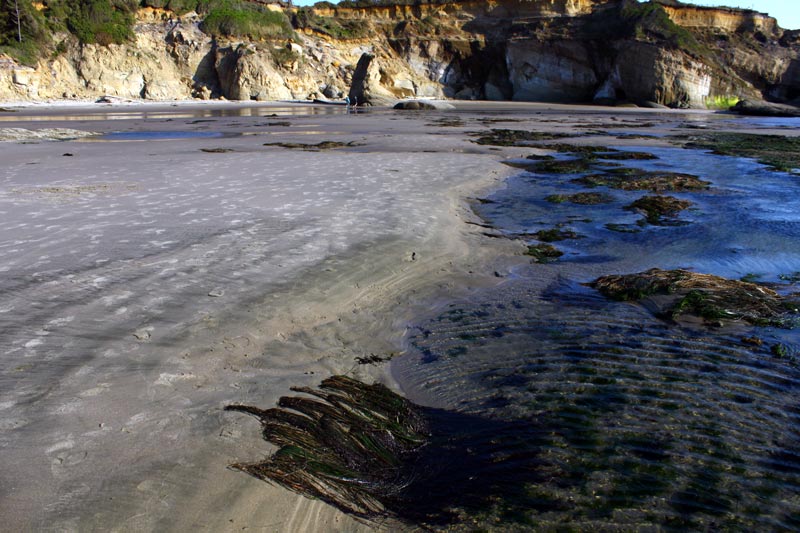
(27, 28)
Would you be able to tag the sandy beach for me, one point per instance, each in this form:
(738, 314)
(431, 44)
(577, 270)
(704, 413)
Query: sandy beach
(179, 261)
(148, 283)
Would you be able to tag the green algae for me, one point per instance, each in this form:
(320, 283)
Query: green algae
(343, 443)
(779, 152)
(629, 156)
(544, 252)
(324, 145)
(581, 198)
(638, 180)
(566, 166)
(622, 228)
(599, 152)
(658, 209)
(501, 137)
(711, 298)
(556, 234)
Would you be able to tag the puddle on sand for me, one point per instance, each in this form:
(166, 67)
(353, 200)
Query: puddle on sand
(617, 419)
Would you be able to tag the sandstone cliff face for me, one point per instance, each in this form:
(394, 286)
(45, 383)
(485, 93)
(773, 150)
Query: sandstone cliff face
(543, 50)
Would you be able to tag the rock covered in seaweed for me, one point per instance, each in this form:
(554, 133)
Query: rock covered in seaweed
(659, 210)
(628, 179)
(712, 298)
(344, 443)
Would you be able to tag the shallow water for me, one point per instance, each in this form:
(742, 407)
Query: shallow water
(619, 420)
(158, 135)
(105, 112)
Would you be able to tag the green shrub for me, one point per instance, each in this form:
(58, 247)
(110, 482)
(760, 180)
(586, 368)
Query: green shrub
(94, 21)
(233, 18)
(284, 56)
(305, 18)
(22, 39)
(179, 7)
(649, 19)
(722, 102)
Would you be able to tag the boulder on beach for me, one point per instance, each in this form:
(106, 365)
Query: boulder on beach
(765, 109)
(424, 105)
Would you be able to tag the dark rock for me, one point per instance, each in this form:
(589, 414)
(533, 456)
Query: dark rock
(765, 109)
(416, 105)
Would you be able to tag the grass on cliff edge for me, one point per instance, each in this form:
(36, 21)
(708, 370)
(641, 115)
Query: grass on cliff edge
(777, 151)
(240, 19)
(107, 22)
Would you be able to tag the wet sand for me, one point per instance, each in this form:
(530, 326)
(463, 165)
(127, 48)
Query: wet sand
(147, 283)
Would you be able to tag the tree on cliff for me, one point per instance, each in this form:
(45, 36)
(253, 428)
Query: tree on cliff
(22, 28)
(18, 20)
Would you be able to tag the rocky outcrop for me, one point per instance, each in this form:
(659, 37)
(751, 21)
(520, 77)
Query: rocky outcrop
(765, 109)
(606, 51)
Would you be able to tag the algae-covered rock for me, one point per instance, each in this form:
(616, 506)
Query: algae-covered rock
(567, 166)
(323, 145)
(638, 180)
(599, 152)
(581, 198)
(344, 443)
(423, 105)
(498, 137)
(659, 210)
(556, 234)
(629, 156)
(544, 252)
(676, 293)
(778, 151)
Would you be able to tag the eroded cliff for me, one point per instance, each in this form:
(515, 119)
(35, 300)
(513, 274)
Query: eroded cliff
(542, 50)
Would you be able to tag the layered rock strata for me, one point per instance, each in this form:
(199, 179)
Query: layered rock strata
(534, 50)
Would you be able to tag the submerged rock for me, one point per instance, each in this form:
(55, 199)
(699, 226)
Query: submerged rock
(636, 180)
(658, 208)
(676, 293)
(544, 252)
(778, 151)
(323, 145)
(566, 166)
(499, 137)
(581, 198)
(556, 234)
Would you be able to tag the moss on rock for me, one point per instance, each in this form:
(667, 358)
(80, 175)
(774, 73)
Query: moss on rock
(659, 209)
(499, 137)
(712, 298)
(544, 252)
(639, 180)
(778, 151)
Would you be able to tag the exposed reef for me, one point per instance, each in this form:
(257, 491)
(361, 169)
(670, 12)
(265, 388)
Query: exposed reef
(659, 210)
(676, 293)
(628, 179)
(777, 151)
